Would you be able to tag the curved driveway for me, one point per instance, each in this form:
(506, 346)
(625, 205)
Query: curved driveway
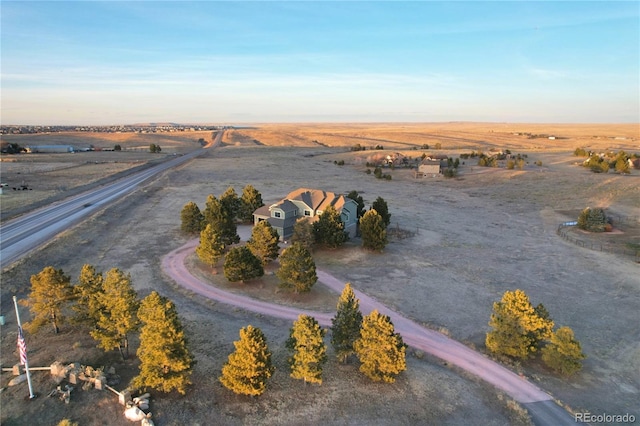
(539, 403)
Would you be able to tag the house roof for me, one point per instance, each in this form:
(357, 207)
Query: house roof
(317, 199)
(285, 205)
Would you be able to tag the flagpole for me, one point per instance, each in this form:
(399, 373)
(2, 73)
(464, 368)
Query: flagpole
(26, 362)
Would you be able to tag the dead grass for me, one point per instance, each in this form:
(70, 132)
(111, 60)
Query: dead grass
(475, 237)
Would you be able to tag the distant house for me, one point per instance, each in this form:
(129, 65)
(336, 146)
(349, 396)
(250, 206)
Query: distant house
(309, 203)
(430, 167)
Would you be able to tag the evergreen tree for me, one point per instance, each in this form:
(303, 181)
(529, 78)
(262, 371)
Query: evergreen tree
(165, 360)
(249, 367)
(250, 201)
(380, 205)
(297, 269)
(51, 292)
(211, 247)
(517, 329)
(563, 353)
(345, 326)
(264, 242)
(230, 203)
(309, 350)
(593, 220)
(381, 351)
(303, 233)
(241, 265)
(544, 331)
(118, 318)
(221, 221)
(358, 199)
(87, 292)
(191, 218)
(329, 228)
(373, 230)
(622, 165)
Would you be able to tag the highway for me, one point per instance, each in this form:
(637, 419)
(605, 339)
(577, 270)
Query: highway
(20, 236)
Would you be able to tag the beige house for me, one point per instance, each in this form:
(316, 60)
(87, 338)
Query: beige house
(309, 203)
(429, 168)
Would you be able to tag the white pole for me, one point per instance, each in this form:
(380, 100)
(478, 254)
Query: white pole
(26, 362)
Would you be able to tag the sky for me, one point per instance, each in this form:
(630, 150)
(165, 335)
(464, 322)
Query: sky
(105, 63)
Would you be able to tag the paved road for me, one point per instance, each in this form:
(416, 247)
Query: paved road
(25, 233)
(543, 409)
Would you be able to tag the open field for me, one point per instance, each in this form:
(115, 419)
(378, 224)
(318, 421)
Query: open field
(468, 240)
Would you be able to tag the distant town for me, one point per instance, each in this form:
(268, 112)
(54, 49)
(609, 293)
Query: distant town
(129, 128)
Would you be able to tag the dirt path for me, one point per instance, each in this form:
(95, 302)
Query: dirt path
(173, 264)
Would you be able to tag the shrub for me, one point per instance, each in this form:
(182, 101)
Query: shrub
(593, 220)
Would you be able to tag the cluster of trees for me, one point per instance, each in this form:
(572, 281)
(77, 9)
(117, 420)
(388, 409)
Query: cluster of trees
(513, 163)
(154, 149)
(594, 220)
(109, 306)
(11, 148)
(218, 232)
(602, 163)
(377, 172)
(222, 212)
(358, 147)
(519, 330)
(380, 350)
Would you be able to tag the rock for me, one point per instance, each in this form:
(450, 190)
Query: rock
(134, 414)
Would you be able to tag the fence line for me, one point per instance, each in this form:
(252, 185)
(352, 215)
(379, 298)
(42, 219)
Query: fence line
(564, 231)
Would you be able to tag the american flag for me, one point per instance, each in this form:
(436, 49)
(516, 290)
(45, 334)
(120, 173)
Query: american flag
(22, 347)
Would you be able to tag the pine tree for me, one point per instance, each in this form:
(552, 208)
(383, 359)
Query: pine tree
(297, 269)
(373, 230)
(309, 350)
(380, 205)
(329, 228)
(563, 353)
(593, 220)
(249, 367)
(250, 201)
(230, 203)
(51, 292)
(211, 247)
(380, 349)
(358, 199)
(345, 326)
(191, 218)
(220, 220)
(118, 318)
(241, 265)
(264, 242)
(165, 360)
(517, 329)
(87, 292)
(303, 233)
(622, 165)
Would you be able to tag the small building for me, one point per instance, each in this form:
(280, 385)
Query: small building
(49, 149)
(430, 167)
(307, 203)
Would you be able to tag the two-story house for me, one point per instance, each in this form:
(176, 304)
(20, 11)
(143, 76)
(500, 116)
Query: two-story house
(309, 203)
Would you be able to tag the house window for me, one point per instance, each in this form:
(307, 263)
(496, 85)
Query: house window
(276, 214)
(307, 213)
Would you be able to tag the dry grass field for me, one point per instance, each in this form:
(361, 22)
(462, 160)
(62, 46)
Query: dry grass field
(466, 241)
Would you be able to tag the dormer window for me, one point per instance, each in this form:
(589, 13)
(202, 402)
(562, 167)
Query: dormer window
(307, 212)
(276, 214)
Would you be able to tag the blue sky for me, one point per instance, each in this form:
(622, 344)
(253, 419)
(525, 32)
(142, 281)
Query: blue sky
(234, 62)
